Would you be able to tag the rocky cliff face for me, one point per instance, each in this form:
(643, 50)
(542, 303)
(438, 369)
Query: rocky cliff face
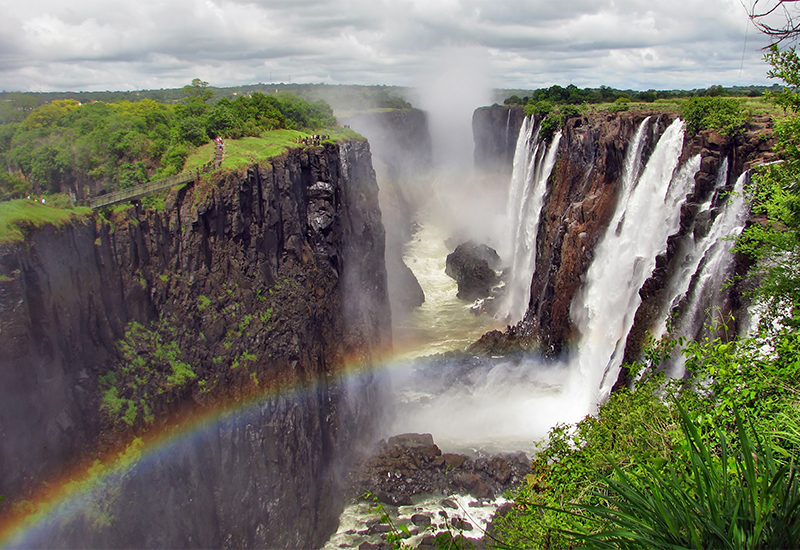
(267, 278)
(401, 144)
(580, 202)
(495, 130)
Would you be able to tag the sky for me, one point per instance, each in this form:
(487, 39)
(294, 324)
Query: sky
(57, 45)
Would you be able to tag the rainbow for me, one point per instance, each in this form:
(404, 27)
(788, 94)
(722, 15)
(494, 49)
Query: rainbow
(61, 500)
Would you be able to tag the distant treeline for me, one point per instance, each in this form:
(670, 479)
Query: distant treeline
(66, 144)
(573, 95)
(14, 105)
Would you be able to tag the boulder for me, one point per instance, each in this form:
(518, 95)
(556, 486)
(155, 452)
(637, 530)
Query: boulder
(473, 267)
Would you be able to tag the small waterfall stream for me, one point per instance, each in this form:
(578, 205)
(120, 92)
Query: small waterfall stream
(697, 292)
(691, 256)
(533, 164)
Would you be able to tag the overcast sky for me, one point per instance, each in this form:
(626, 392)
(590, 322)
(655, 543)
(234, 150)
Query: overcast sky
(57, 45)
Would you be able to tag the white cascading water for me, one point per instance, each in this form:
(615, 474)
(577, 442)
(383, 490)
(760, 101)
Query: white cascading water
(511, 403)
(533, 164)
(647, 213)
(714, 268)
(691, 256)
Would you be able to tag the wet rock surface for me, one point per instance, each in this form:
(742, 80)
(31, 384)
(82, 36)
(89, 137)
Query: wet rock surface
(412, 464)
(473, 266)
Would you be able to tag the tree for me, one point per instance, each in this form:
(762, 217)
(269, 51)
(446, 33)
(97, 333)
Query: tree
(764, 11)
(198, 90)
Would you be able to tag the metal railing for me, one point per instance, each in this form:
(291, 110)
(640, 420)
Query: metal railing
(139, 191)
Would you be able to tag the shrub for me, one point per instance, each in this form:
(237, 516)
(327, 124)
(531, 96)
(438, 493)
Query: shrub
(550, 125)
(541, 108)
(710, 497)
(722, 114)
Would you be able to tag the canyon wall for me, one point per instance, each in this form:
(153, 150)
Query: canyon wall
(272, 277)
(580, 201)
(401, 145)
(495, 130)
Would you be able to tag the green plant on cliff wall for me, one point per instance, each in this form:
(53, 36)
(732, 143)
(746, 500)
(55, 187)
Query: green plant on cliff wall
(150, 366)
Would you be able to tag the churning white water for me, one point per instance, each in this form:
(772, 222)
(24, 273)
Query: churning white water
(533, 164)
(443, 322)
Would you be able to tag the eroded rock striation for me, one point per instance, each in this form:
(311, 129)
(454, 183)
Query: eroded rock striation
(272, 277)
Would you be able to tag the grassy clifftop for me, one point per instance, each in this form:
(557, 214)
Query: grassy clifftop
(249, 150)
(18, 215)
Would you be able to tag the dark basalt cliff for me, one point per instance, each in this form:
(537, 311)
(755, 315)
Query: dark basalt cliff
(401, 145)
(495, 130)
(580, 201)
(273, 277)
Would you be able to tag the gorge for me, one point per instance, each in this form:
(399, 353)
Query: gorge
(279, 270)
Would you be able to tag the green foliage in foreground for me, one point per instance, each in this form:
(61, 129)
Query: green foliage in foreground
(634, 454)
(711, 496)
(18, 215)
(633, 429)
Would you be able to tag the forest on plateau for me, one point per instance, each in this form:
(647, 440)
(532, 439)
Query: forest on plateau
(65, 144)
(710, 460)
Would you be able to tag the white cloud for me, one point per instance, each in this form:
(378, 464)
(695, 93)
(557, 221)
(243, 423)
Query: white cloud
(93, 44)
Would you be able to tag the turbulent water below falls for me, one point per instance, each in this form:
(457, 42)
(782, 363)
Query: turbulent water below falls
(470, 405)
(443, 323)
(361, 522)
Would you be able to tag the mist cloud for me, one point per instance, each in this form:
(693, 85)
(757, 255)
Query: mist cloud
(93, 45)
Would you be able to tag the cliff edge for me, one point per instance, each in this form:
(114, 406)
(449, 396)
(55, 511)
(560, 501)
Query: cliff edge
(271, 277)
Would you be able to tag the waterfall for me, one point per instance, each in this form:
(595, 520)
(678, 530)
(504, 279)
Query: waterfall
(506, 136)
(533, 163)
(648, 212)
(714, 265)
(690, 258)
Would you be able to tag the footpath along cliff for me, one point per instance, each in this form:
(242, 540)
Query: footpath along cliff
(272, 277)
